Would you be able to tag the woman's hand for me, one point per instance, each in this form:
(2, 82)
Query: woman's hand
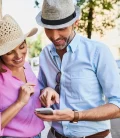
(25, 92)
(49, 96)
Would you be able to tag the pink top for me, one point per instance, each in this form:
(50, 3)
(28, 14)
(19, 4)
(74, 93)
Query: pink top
(25, 123)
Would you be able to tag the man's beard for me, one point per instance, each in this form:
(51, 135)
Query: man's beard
(61, 47)
(67, 41)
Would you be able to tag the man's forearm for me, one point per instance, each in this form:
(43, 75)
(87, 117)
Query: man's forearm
(104, 112)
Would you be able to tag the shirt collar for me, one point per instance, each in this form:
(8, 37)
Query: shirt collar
(74, 43)
(53, 50)
(9, 71)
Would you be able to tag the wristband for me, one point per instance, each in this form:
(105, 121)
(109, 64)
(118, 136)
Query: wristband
(76, 117)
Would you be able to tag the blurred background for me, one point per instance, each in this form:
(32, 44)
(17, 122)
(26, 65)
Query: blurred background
(100, 20)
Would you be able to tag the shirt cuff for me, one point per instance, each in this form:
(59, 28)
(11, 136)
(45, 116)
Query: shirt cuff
(117, 103)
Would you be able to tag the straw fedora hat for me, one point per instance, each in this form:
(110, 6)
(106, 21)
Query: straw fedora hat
(57, 14)
(11, 34)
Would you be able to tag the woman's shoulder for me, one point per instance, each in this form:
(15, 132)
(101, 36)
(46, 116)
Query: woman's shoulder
(27, 64)
(28, 71)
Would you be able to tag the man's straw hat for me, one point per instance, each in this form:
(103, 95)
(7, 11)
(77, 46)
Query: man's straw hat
(11, 34)
(57, 14)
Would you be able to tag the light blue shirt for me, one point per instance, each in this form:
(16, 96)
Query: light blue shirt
(89, 73)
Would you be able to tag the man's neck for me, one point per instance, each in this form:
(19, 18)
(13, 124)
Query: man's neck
(61, 52)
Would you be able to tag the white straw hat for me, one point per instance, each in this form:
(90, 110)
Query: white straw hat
(11, 34)
(57, 14)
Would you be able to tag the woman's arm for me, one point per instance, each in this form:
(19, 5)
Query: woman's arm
(10, 113)
(24, 95)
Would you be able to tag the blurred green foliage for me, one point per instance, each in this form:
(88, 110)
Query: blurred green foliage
(97, 16)
(34, 46)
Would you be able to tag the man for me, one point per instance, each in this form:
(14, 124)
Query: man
(82, 73)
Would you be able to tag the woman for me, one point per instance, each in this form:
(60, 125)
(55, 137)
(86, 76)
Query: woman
(19, 89)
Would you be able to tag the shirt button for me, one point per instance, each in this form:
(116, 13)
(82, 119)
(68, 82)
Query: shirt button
(66, 127)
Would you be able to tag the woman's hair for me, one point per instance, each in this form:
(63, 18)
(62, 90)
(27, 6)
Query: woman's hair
(2, 70)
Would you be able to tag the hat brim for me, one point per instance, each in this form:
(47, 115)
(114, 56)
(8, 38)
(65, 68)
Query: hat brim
(7, 47)
(39, 22)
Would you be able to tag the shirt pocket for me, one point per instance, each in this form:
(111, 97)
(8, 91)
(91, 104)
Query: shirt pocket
(83, 85)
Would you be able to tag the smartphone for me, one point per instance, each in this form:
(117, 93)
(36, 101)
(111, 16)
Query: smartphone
(45, 111)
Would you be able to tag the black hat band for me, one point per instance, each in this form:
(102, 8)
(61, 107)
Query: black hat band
(59, 22)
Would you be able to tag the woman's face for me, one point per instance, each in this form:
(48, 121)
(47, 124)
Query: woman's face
(16, 57)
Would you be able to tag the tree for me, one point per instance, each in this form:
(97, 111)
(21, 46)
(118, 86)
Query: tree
(97, 16)
(35, 46)
(38, 3)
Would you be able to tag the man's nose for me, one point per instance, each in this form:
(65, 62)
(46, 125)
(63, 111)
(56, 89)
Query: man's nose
(55, 34)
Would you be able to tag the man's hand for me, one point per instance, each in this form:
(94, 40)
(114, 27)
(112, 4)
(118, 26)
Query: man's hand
(58, 115)
(49, 96)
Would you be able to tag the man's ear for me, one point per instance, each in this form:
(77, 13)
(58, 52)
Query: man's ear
(76, 23)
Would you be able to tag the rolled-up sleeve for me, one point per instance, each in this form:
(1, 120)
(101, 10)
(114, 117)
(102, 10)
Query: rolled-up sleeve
(108, 74)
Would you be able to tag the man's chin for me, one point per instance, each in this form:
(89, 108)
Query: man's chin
(60, 47)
